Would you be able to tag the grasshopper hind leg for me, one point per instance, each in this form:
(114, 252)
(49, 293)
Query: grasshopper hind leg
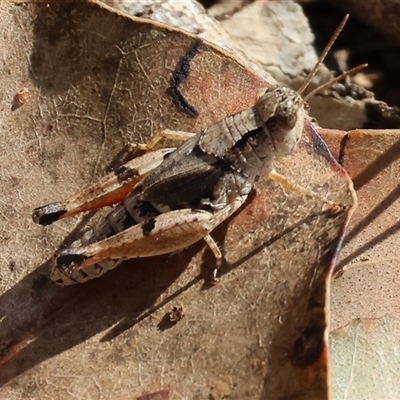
(107, 191)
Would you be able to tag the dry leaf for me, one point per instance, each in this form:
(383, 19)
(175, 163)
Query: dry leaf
(370, 255)
(97, 79)
(367, 285)
(365, 359)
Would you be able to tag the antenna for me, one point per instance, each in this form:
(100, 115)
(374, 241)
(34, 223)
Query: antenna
(323, 55)
(334, 80)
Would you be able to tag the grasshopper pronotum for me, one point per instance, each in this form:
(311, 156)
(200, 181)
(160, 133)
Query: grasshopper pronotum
(172, 198)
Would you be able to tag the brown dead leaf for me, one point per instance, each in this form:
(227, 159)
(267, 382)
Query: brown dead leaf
(370, 256)
(366, 288)
(97, 79)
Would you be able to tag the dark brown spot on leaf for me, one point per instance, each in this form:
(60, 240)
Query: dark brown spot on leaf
(308, 347)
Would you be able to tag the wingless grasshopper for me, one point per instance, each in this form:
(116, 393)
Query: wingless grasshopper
(172, 198)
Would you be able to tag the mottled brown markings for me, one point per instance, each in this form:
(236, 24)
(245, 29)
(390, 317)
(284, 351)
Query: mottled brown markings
(148, 226)
(125, 174)
(180, 74)
(11, 265)
(83, 273)
(66, 260)
(245, 138)
(98, 267)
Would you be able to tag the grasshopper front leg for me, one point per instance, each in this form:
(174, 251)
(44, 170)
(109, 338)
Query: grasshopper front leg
(164, 134)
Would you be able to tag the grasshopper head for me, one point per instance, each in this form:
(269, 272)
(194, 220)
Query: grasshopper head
(282, 111)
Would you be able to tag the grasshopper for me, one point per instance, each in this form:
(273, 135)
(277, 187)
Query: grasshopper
(171, 198)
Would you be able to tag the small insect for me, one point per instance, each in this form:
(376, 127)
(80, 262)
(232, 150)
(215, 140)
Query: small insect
(172, 317)
(171, 198)
(176, 314)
